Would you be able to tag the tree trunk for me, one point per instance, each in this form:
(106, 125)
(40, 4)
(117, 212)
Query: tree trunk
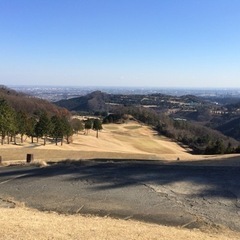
(3, 137)
(32, 138)
(21, 138)
(97, 134)
(8, 139)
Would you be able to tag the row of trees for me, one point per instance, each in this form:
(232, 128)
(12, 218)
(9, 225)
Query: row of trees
(56, 127)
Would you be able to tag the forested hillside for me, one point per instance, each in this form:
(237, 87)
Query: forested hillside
(29, 104)
(93, 102)
(23, 115)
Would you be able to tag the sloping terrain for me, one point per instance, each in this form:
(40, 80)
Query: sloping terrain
(29, 104)
(95, 101)
(231, 128)
(130, 140)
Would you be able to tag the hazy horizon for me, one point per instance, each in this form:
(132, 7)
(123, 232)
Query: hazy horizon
(137, 43)
(130, 87)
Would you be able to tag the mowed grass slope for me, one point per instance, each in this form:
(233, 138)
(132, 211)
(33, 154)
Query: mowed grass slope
(131, 141)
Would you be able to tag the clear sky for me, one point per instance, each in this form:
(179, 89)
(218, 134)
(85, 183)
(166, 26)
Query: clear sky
(162, 43)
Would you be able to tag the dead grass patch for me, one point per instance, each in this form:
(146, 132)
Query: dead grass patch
(28, 224)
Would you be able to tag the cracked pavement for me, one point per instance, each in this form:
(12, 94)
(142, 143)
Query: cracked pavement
(173, 194)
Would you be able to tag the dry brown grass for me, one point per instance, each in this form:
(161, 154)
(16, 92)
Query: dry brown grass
(130, 140)
(116, 141)
(23, 223)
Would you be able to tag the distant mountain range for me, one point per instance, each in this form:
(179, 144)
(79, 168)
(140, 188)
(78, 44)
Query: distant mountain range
(100, 101)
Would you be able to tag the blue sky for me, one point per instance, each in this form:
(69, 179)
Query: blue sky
(155, 43)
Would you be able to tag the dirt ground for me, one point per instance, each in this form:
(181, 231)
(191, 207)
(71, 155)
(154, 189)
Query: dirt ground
(128, 141)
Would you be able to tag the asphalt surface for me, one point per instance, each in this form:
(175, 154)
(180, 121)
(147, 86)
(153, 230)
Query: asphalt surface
(172, 194)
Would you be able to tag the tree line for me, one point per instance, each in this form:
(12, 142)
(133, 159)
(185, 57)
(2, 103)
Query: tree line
(200, 139)
(40, 125)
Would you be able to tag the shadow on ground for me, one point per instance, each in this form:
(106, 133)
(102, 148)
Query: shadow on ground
(112, 174)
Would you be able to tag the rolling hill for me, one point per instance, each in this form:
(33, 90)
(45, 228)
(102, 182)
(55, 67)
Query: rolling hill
(29, 104)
